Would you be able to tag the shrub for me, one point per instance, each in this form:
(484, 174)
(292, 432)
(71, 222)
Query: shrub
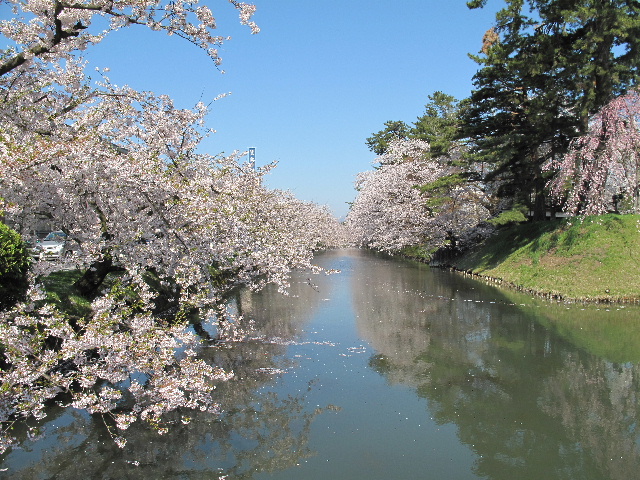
(14, 265)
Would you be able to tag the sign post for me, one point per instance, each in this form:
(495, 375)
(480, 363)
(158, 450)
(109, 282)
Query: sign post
(252, 157)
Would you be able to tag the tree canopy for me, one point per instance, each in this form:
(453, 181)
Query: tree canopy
(438, 126)
(551, 122)
(165, 230)
(547, 66)
(412, 199)
(599, 173)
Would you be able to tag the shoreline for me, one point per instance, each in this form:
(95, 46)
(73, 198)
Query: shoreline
(547, 295)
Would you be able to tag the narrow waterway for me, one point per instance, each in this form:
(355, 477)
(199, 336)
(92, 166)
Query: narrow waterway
(388, 370)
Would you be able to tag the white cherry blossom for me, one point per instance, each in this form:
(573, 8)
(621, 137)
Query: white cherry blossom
(390, 211)
(121, 172)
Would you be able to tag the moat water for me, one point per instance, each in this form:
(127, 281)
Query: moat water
(388, 370)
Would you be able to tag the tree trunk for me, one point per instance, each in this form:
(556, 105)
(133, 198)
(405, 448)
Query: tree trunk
(539, 199)
(539, 206)
(90, 282)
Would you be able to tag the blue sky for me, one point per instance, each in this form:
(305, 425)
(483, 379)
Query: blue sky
(319, 78)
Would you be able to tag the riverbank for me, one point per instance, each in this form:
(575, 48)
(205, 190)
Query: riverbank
(592, 259)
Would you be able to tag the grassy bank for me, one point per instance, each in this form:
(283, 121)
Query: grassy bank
(60, 293)
(589, 258)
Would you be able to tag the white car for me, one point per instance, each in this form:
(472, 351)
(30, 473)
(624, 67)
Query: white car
(53, 246)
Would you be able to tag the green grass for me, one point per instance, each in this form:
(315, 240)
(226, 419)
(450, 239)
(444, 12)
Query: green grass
(60, 292)
(586, 258)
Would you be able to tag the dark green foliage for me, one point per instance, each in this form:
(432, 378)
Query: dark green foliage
(393, 130)
(420, 252)
(438, 125)
(437, 192)
(444, 184)
(14, 266)
(546, 67)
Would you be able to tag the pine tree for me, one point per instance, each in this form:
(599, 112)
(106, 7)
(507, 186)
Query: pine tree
(546, 67)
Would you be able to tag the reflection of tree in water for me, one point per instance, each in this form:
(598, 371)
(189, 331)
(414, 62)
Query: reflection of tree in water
(527, 402)
(282, 316)
(262, 434)
(401, 306)
(598, 403)
(257, 431)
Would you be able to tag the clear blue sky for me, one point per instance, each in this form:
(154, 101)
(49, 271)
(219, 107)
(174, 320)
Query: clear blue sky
(318, 79)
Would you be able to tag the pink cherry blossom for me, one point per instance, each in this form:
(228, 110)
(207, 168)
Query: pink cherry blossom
(602, 163)
(390, 212)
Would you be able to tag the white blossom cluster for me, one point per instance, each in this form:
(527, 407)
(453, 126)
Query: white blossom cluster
(53, 29)
(390, 211)
(404, 150)
(120, 171)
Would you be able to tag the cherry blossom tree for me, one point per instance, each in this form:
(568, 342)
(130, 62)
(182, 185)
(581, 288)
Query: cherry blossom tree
(388, 212)
(165, 230)
(600, 170)
(396, 208)
(54, 29)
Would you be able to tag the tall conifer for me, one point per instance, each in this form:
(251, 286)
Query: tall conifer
(545, 68)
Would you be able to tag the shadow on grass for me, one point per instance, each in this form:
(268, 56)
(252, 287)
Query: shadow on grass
(60, 292)
(499, 247)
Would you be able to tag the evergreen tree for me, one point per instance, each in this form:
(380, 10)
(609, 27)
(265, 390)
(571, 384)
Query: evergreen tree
(393, 130)
(438, 126)
(546, 67)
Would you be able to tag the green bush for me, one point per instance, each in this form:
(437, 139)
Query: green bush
(14, 265)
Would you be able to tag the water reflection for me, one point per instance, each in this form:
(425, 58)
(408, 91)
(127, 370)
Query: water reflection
(278, 316)
(257, 435)
(259, 430)
(423, 363)
(529, 403)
